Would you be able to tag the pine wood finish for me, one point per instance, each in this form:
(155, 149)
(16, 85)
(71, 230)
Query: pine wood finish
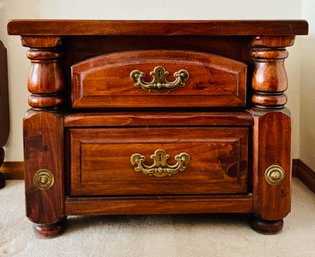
(88, 118)
(100, 160)
(213, 80)
(15, 170)
(176, 28)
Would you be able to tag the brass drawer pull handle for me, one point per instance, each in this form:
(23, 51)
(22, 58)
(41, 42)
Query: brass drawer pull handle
(160, 167)
(159, 82)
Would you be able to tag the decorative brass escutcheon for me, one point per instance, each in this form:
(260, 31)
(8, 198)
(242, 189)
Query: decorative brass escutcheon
(43, 179)
(160, 167)
(274, 174)
(159, 82)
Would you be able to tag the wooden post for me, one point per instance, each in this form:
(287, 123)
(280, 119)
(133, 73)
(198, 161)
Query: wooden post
(271, 134)
(44, 137)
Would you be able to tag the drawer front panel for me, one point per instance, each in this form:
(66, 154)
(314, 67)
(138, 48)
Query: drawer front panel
(158, 78)
(101, 161)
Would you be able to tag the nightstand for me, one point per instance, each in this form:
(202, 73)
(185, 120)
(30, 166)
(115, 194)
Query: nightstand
(157, 117)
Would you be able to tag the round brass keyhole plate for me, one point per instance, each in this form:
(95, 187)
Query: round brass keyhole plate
(43, 179)
(274, 174)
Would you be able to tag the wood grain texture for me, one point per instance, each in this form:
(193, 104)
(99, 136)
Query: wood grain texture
(104, 81)
(270, 66)
(269, 78)
(44, 149)
(41, 41)
(90, 160)
(157, 118)
(100, 160)
(100, 27)
(45, 80)
(15, 169)
(271, 146)
(274, 41)
(158, 205)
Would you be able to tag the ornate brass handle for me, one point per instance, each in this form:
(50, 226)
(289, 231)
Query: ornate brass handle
(159, 82)
(160, 167)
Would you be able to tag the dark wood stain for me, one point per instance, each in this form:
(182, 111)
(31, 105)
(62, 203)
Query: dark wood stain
(87, 118)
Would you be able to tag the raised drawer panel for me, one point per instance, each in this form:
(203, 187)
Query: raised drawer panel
(111, 80)
(101, 161)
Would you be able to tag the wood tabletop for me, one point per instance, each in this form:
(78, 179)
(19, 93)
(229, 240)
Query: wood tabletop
(158, 27)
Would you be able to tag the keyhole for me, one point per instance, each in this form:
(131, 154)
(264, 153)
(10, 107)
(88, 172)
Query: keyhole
(160, 74)
(160, 157)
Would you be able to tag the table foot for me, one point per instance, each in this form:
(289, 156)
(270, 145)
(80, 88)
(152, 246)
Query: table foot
(267, 227)
(50, 230)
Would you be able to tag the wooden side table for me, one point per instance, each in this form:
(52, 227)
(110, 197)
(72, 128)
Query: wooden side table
(157, 117)
(4, 107)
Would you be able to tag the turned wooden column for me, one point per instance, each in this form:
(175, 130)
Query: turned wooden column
(45, 80)
(271, 134)
(44, 137)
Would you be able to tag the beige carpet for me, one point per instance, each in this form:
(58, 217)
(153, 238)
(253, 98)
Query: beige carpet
(155, 236)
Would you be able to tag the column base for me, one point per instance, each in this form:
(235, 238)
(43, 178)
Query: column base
(50, 230)
(266, 227)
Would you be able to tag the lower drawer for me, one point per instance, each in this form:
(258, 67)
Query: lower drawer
(158, 161)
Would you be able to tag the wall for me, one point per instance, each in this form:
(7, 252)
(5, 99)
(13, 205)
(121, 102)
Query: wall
(307, 126)
(135, 9)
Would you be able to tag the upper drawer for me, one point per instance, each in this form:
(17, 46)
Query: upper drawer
(158, 78)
